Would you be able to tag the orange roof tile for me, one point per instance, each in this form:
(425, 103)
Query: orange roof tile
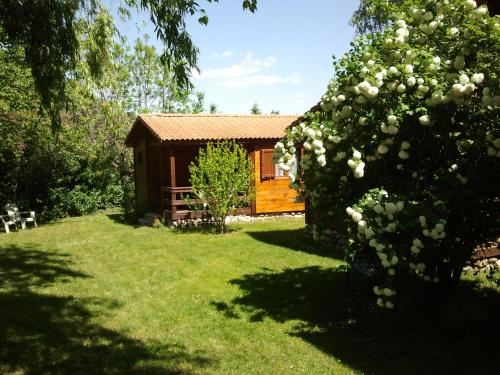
(204, 127)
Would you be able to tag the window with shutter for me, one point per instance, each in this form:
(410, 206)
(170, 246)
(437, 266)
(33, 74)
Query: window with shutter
(269, 170)
(282, 173)
(266, 164)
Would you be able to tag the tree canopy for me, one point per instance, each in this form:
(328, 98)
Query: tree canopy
(372, 15)
(48, 33)
(85, 165)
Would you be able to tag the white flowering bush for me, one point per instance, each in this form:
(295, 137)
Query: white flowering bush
(406, 147)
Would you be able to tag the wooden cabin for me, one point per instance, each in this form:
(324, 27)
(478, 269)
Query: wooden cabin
(165, 144)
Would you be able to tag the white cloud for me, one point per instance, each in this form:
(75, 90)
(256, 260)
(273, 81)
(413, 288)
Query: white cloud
(248, 72)
(259, 80)
(302, 98)
(222, 55)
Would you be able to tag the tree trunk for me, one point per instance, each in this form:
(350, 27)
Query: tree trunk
(222, 225)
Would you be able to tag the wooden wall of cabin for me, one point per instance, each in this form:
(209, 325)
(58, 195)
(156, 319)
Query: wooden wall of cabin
(184, 155)
(140, 167)
(154, 177)
(273, 194)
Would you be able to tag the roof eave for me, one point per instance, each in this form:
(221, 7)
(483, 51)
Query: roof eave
(140, 121)
(314, 108)
(205, 140)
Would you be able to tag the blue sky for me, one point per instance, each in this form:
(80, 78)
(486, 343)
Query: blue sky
(279, 57)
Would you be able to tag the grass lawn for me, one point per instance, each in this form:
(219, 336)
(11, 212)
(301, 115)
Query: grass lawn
(92, 295)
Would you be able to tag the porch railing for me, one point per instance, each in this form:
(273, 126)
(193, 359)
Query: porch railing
(173, 203)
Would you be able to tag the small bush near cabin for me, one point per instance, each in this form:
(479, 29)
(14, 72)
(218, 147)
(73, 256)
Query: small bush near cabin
(222, 179)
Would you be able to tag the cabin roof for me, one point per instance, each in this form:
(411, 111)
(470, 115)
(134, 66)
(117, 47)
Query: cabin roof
(314, 108)
(204, 127)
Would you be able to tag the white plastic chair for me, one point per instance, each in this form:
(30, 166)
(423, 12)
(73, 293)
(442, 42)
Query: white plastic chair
(20, 217)
(7, 222)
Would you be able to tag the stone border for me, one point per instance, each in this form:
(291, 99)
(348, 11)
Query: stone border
(263, 217)
(190, 223)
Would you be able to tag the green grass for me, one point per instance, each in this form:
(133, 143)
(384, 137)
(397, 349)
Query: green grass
(92, 295)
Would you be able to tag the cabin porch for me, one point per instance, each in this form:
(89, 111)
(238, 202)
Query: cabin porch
(168, 189)
(177, 208)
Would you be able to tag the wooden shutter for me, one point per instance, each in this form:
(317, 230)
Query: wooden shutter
(266, 164)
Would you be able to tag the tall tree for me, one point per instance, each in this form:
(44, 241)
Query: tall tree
(213, 108)
(372, 15)
(173, 98)
(198, 103)
(145, 74)
(18, 115)
(46, 30)
(86, 166)
(149, 85)
(255, 110)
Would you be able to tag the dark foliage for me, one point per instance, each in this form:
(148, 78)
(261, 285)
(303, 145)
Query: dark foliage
(47, 33)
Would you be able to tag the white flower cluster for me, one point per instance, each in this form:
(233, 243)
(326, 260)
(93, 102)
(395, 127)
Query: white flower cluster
(388, 209)
(356, 216)
(382, 293)
(494, 149)
(366, 89)
(420, 267)
(437, 233)
(286, 155)
(313, 143)
(380, 219)
(383, 148)
(403, 152)
(391, 125)
(416, 246)
(463, 87)
(384, 253)
(356, 164)
(422, 80)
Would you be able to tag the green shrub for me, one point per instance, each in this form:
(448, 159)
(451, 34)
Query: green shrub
(408, 143)
(158, 223)
(222, 179)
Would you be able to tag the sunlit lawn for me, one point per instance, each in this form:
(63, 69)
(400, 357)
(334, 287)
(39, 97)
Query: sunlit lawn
(92, 295)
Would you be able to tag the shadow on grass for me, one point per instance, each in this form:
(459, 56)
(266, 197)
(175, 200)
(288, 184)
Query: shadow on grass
(120, 218)
(23, 268)
(457, 335)
(203, 228)
(295, 239)
(206, 228)
(42, 333)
